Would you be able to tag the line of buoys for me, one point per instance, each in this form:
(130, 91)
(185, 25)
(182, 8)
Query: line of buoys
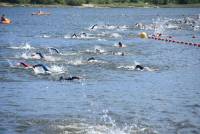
(174, 41)
(144, 35)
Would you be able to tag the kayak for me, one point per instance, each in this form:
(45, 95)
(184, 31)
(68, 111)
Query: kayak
(6, 21)
(42, 13)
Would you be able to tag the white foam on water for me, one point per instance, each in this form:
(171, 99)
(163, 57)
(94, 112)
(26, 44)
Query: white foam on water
(11, 64)
(39, 70)
(117, 45)
(69, 53)
(128, 67)
(136, 63)
(132, 67)
(96, 61)
(118, 53)
(57, 69)
(116, 35)
(76, 62)
(27, 56)
(172, 26)
(99, 49)
(122, 28)
(103, 129)
(101, 39)
(110, 27)
(160, 25)
(37, 57)
(51, 58)
(26, 46)
(67, 36)
(45, 36)
(108, 126)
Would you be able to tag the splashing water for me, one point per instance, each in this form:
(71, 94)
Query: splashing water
(67, 36)
(39, 70)
(26, 56)
(26, 46)
(57, 69)
(100, 49)
(129, 67)
(10, 63)
(116, 35)
(76, 62)
(45, 36)
(51, 58)
(159, 25)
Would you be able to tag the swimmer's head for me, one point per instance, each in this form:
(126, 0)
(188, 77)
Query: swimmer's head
(139, 67)
(61, 78)
(120, 44)
(91, 59)
(98, 51)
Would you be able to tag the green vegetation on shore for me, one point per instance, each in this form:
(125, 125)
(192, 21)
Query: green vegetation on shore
(107, 3)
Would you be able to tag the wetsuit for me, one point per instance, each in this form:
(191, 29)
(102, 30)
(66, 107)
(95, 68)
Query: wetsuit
(69, 78)
(92, 58)
(24, 64)
(41, 65)
(94, 26)
(74, 35)
(55, 50)
(139, 67)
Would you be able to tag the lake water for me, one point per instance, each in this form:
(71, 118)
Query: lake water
(112, 97)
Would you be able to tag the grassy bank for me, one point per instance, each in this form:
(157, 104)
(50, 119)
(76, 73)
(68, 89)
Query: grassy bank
(111, 5)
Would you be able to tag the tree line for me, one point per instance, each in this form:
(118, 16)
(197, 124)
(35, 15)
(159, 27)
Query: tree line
(80, 2)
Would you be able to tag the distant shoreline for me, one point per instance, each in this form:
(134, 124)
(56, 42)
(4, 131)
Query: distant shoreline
(113, 5)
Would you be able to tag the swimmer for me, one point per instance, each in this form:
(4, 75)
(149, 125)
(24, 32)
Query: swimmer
(24, 65)
(91, 59)
(140, 25)
(84, 34)
(42, 66)
(74, 36)
(69, 78)
(93, 26)
(98, 51)
(56, 50)
(139, 67)
(120, 45)
(37, 55)
(27, 66)
(158, 35)
(142, 68)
